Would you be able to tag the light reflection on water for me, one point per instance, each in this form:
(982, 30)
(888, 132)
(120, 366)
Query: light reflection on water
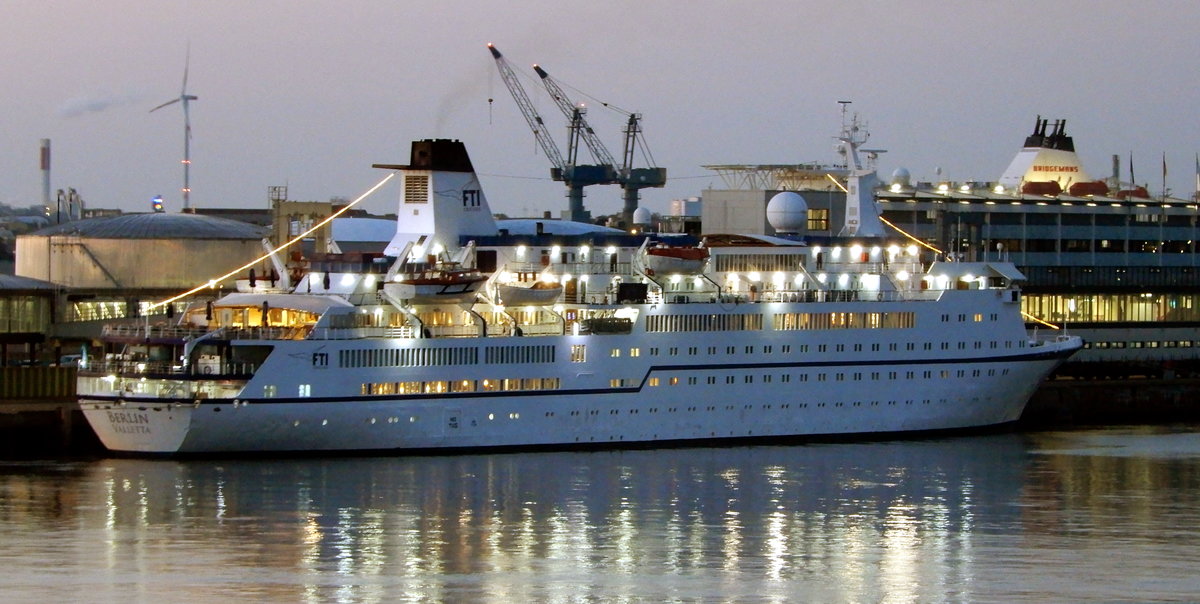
(1084, 515)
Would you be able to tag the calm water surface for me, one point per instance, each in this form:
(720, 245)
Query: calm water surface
(1094, 515)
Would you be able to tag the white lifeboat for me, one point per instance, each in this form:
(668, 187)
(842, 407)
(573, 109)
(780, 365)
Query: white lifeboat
(438, 285)
(668, 260)
(537, 293)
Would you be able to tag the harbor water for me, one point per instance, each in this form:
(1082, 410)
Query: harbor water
(1106, 514)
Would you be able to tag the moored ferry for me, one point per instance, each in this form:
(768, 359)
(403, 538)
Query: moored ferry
(476, 336)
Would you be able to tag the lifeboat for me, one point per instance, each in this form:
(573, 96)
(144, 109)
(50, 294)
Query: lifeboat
(667, 260)
(437, 286)
(537, 293)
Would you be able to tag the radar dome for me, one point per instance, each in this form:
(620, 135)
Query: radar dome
(787, 212)
(641, 216)
(901, 177)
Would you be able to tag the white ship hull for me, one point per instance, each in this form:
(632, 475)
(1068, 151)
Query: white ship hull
(749, 389)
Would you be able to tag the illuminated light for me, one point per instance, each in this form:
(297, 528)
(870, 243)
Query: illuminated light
(437, 249)
(999, 189)
(697, 281)
(418, 251)
(895, 187)
(369, 280)
(558, 308)
(855, 251)
(583, 278)
(732, 277)
(968, 277)
(583, 250)
(555, 250)
(1042, 203)
(798, 279)
(378, 311)
(875, 250)
(675, 278)
(912, 250)
(347, 279)
(314, 278)
(989, 203)
(754, 276)
(1014, 203)
(816, 249)
(548, 278)
(566, 277)
(778, 278)
(1091, 204)
(212, 284)
(893, 250)
(843, 280)
(141, 367)
(943, 188)
(965, 189)
(111, 379)
(610, 250)
(837, 253)
(520, 251)
(822, 277)
(902, 275)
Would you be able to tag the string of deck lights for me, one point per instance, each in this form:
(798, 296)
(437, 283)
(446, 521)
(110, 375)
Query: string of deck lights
(211, 283)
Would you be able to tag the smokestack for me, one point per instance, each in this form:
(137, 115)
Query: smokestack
(46, 172)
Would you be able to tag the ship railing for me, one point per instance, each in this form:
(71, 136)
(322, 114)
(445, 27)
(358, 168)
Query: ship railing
(360, 333)
(1042, 339)
(142, 331)
(835, 295)
(598, 266)
(159, 368)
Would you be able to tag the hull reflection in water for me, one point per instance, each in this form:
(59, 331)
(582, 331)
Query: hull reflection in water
(992, 518)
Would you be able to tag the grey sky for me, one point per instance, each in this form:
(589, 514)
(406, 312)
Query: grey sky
(311, 93)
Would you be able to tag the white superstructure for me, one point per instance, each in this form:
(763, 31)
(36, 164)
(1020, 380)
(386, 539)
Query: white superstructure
(769, 337)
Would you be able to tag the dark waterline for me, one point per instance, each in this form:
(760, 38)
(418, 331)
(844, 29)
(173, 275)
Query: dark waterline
(1106, 514)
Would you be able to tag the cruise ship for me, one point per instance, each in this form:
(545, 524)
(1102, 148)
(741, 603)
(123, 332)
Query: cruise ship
(471, 334)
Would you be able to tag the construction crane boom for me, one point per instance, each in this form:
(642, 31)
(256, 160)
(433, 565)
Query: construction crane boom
(576, 177)
(531, 115)
(575, 113)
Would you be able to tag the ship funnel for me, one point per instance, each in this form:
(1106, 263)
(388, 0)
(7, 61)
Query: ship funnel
(441, 199)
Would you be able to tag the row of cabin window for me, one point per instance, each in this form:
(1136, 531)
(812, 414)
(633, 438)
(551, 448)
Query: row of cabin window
(819, 377)
(445, 386)
(430, 357)
(804, 348)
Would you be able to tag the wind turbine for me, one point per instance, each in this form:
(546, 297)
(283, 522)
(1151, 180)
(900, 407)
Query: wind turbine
(183, 98)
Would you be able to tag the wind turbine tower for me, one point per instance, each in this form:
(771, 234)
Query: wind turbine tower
(183, 99)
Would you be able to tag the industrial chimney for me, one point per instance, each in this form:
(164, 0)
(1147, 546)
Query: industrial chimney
(46, 173)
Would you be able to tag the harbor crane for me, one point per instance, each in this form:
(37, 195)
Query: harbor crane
(575, 176)
(631, 179)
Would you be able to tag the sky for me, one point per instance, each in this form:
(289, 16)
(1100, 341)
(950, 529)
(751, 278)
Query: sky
(310, 93)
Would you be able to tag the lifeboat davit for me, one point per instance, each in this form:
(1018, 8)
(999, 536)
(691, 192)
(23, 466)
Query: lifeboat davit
(667, 260)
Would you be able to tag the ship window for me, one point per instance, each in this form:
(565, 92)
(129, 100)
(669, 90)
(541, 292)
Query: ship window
(635, 352)
(269, 391)
(673, 381)
(712, 379)
(729, 379)
(305, 390)
(978, 317)
(578, 353)
(673, 351)
(616, 383)
(653, 381)
(616, 352)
